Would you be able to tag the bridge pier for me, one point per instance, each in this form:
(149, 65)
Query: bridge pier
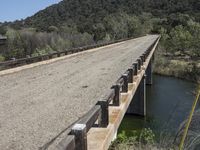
(149, 80)
(138, 103)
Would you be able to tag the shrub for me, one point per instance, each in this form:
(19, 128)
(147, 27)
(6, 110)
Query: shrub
(1, 58)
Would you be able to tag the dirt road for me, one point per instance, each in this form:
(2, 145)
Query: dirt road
(37, 103)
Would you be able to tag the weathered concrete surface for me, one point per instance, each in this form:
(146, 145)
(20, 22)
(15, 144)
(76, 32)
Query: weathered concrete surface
(38, 103)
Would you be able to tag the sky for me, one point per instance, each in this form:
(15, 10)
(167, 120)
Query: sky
(11, 10)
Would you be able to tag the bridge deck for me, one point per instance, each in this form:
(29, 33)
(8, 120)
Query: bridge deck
(38, 103)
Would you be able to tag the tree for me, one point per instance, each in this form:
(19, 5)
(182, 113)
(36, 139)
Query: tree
(3, 30)
(1, 58)
(179, 39)
(116, 25)
(134, 25)
(53, 29)
(194, 29)
(14, 44)
(99, 31)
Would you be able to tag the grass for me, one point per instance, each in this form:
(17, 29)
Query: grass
(145, 140)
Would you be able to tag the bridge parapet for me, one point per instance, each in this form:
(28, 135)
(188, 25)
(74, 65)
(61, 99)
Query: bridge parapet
(99, 117)
(29, 60)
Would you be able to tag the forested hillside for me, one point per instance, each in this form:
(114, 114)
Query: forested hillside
(85, 14)
(73, 23)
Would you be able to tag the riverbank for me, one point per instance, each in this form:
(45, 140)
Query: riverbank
(143, 141)
(169, 101)
(177, 65)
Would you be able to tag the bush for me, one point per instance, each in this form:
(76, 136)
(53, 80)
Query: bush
(144, 140)
(1, 58)
(147, 136)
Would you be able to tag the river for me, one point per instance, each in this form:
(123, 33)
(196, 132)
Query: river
(169, 101)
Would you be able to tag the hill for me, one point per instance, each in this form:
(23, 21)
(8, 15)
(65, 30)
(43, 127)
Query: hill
(85, 14)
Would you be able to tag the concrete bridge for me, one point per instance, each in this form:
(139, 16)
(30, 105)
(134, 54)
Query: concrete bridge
(75, 101)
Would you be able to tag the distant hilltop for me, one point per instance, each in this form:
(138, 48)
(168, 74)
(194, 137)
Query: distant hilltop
(88, 13)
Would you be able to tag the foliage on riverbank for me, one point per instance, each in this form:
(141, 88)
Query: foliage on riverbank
(145, 140)
(178, 54)
(183, 68)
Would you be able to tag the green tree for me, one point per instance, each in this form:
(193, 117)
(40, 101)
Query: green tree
(194, 29)
(14, 45)
(99, 31)
(3, 30)
(53, 29)
(1, 58)
(179, 39)
(134, 25)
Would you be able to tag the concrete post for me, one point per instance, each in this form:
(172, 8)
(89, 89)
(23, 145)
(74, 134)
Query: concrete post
(149, 80)
(116, 100)
(130, 77)
(135, 68)
(138, 103)
(125, 85)
(142, 59)
(139, 61)
(80, 133)
(104, 113)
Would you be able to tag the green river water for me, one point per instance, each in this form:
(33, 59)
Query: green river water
(169, 102)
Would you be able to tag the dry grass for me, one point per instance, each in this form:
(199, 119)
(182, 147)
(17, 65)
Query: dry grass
(171, 66)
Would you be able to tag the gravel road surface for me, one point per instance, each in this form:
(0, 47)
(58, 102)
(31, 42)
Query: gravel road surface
(38, 103)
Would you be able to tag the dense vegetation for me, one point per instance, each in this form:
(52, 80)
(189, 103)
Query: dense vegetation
(73, 23)
(142, 140)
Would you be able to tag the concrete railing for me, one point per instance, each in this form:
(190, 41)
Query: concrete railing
(23, 61)
(98, 116)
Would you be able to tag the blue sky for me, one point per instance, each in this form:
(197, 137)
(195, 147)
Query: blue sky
(11, 10)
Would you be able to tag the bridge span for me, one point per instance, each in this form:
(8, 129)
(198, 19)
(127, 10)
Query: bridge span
(40, 102)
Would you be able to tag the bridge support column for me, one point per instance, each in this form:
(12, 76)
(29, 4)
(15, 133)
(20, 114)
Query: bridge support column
(149, 80)
(138, 103)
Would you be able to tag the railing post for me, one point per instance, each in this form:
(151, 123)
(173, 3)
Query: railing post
(104, 113)
(135, 67)
(116, 100)
(40, 58)
(130, 77)
(142, 60)
(144, 56)
(125, 85)
(80, 133)
(139, 63)
(66, 52)
(50, 56)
